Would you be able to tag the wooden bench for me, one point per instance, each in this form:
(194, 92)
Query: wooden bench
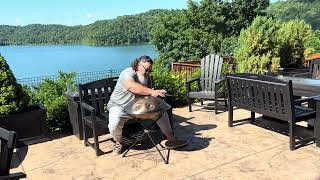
(7, 143)
(269, 96)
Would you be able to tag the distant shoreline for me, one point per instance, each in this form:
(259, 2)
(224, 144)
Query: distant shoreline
(77, 44)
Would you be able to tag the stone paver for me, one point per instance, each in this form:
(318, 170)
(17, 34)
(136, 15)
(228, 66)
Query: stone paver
(215, 151)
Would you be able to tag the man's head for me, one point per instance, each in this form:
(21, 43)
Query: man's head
(142, 65)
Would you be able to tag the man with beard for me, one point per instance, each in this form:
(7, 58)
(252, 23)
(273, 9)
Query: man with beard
(135, 81)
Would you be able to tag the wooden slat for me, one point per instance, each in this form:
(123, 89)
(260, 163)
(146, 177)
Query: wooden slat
(239, 91)
(230, 86)
(279, 101)
(202, 73)
(284, 99)
(267, 97)
(235, 89)
(316, 71)
(94, 98)
(100, 100)
(211, 73)
(272, 98)
(216, 63)
(107, 93)
(248, 92)
(243, 92)
(86, 95)
(206, 73)
(255, 94)
(219, 67)
(260, 95)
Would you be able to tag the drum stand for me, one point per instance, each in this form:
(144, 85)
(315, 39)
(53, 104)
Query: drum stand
(147, 129)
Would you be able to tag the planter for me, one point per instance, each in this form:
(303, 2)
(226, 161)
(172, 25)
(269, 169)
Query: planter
(30, 124)
(74, 113)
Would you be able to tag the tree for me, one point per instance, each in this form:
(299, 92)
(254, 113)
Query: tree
(210, 26)
(258, 49)
(307, 10)
(12, 98)
(243, 12)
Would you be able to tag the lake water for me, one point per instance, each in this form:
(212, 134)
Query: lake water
(42, 60)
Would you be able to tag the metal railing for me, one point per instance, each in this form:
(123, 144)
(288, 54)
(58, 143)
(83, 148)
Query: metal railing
(82, 77)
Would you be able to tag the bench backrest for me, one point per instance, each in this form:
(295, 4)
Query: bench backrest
(7, 142)
(262, 94)
(211, 67)
(97, 93)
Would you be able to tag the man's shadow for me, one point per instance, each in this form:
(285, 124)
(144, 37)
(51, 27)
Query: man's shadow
(183, 128)
(19, 154)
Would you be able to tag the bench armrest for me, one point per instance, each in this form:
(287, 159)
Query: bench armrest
(219, 81)
(18, 175)
(298, 101)
(192, 80)
(87, 107)
(189, 82)
(302, 74)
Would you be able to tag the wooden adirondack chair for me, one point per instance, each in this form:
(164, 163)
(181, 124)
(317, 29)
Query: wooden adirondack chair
(208, 83)
(315, 69)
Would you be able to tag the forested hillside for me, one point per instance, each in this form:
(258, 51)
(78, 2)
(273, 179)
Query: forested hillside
(308, 10)
(121, 30)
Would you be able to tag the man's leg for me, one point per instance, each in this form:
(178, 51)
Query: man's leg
(164, 124)
(117, 119)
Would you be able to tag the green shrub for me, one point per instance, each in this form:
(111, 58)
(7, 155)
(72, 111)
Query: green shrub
(49, 93)
(297, 40)
(174, 84)
(13, 98)
(268, 44)
(258, 49)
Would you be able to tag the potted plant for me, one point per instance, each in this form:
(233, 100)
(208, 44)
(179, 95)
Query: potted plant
(16, 113)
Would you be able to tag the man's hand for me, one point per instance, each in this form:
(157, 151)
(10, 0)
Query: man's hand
(161, 93)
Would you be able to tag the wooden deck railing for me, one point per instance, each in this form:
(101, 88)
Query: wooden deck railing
(189, 67)
(310, 58)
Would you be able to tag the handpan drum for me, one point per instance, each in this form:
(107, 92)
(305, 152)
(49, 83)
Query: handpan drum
(146, 108)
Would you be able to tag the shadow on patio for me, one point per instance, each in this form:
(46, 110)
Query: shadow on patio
(248, 151)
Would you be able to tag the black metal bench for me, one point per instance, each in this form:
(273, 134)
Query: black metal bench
(269, 96)
(7, 143)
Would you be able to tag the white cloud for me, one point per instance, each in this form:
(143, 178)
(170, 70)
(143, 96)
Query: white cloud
(91, 15)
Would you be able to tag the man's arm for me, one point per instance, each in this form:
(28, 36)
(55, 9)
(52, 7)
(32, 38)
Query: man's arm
(137, 88)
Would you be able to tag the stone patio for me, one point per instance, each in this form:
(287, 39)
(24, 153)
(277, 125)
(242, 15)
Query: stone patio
(215, 151)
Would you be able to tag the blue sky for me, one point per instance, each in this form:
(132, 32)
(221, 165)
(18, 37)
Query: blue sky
(76, 12)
